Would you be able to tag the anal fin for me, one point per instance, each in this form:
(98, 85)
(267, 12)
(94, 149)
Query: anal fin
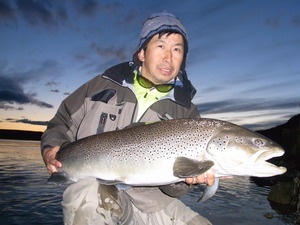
(109, 182)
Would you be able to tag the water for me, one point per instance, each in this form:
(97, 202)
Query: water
(26, 198)
(237, 201)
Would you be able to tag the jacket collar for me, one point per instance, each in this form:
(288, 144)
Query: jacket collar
(183, 93)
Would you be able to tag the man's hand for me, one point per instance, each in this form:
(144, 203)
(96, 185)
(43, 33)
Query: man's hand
(49, 159)
(208, 178)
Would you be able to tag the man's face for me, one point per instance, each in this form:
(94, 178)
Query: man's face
(162, 59)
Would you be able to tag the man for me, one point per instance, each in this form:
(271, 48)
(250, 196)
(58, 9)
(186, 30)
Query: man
(151, 88)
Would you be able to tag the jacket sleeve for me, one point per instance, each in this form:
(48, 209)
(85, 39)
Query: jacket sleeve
(63, 126)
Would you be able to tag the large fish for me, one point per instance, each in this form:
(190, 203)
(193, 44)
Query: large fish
(167, 152)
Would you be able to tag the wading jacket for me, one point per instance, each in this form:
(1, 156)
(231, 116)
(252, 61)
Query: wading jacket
(106, 103)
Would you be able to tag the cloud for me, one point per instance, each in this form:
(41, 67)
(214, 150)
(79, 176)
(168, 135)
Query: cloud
(91, 7)
(45, 12)
(254, 114)
(14, 96)
(131, 17)
(31, 70)
(273, 21)
(52, 83)
(86, 7)
(13, 79)
(246, 105)
(51, 13)
(8, 107)
(27, 121)
(119, 53)
(214, 7)
(41, 104)
(6, 11)
(269, 124)
(296, 21)
(35, 12)
(11, 91)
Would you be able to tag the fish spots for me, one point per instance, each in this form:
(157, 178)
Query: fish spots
(218, 144)
(88, 157)
(239, 139)
(149, 144)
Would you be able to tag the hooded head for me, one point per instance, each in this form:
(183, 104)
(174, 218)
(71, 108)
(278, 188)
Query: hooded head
(161, 22)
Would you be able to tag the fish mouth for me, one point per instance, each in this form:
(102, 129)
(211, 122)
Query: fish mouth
(265, 155)
(265, 168)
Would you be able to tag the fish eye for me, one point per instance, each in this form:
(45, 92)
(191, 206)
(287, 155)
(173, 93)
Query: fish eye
(258, 142)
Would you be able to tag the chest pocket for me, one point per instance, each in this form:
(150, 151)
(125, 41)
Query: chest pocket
(104, 96)
(105, 117)
(102, 113)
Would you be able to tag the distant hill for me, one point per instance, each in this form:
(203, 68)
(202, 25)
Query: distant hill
(288, 136)
(20, 135)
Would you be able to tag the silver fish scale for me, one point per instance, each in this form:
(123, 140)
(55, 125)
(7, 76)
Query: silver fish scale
(165, 140)
(183, 135)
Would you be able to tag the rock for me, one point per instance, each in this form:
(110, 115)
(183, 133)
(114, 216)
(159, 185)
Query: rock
(288, 136)
(282, 193)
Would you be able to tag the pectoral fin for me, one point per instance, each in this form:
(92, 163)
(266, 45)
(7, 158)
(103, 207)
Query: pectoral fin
(209, 191)
(59, 178)
(185, 167)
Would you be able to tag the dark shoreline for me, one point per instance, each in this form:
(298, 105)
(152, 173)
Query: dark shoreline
(20, 135)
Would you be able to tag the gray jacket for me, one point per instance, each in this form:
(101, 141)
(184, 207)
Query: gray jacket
(107, 103)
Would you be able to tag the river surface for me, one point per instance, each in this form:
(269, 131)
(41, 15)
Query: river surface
(27, 199)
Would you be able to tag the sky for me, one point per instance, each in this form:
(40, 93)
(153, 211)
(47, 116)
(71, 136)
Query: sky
(244, 55)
